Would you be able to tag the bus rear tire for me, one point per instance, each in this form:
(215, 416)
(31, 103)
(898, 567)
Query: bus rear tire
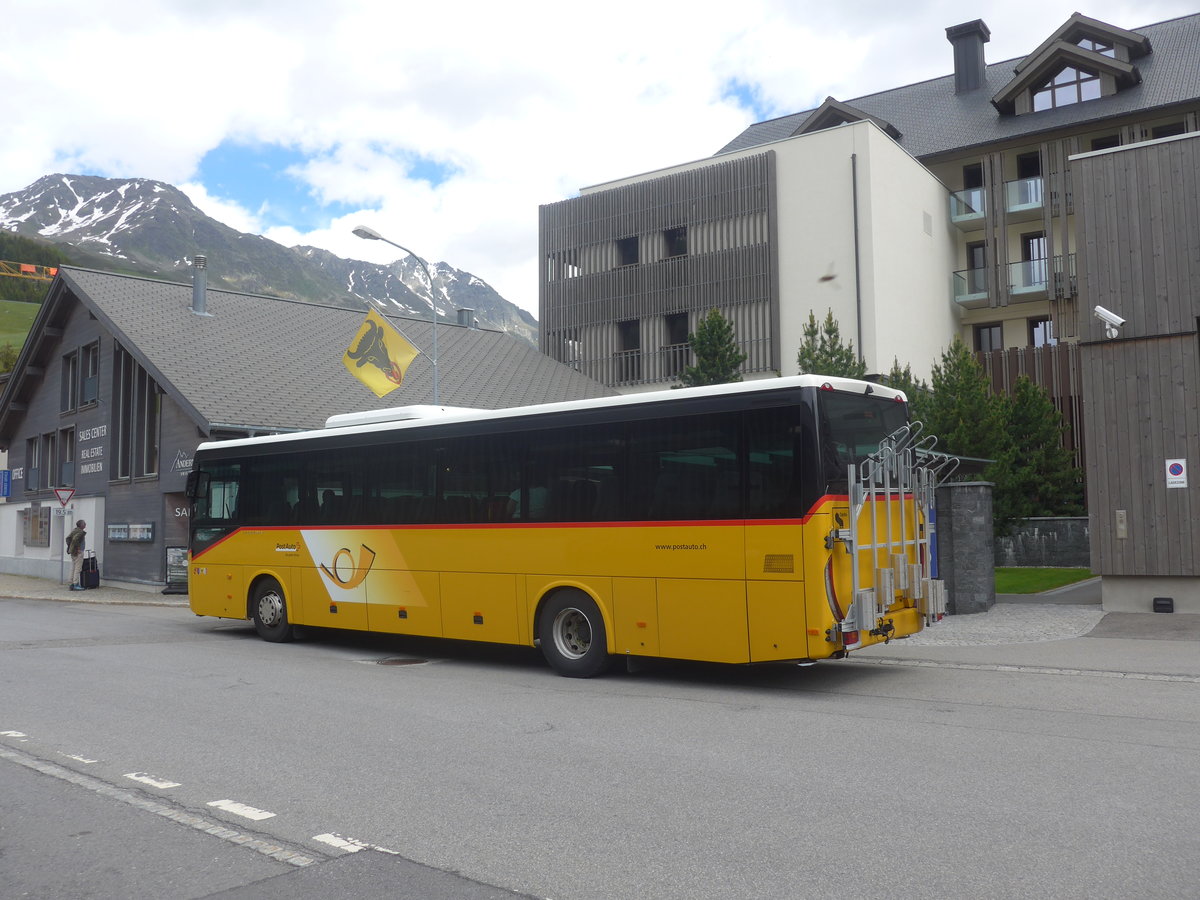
(268, 609)
(572, 634)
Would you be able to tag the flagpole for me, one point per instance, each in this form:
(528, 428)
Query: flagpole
(370, 234)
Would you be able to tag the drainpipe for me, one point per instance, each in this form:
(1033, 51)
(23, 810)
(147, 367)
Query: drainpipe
(857, 279)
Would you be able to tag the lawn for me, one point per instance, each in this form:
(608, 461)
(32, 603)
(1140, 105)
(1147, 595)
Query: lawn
(1034, 581)
(15, 319)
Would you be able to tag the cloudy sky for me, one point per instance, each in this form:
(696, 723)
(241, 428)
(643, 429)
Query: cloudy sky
(445, 124)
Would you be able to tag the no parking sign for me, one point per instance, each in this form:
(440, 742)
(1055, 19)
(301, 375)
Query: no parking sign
(1177, 473)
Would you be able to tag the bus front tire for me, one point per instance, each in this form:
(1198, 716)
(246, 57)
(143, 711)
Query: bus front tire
(572, 634)
(268, 609)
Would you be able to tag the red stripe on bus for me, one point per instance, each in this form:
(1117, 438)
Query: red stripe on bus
(457, 526)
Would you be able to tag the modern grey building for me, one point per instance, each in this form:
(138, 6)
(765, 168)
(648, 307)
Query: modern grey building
(942, 209)
(121, 378)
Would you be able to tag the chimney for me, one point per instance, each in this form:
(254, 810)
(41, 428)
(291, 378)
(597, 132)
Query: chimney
(466, 317)
(968, 40)
(200, 285)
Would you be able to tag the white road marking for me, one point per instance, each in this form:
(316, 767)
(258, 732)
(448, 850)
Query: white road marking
(240, 809)
(351, 845)
(13, 733)
(152, 781)
(82, 759)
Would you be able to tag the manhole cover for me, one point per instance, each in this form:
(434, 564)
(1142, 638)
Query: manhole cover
(401, 661)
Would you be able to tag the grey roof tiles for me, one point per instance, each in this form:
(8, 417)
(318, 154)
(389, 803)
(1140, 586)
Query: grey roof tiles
(265, 362)
(932, 119)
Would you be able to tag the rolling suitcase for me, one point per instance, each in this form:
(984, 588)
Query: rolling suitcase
(90, 576)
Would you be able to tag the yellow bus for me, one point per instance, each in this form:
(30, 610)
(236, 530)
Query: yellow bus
(778, 520)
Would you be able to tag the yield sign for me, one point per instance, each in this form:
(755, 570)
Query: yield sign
(64, 495)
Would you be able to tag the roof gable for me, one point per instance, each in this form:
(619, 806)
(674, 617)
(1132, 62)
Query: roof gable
(257, 363)
(1079, 27)
(832, 113)
(1035, 71)
(936, 120)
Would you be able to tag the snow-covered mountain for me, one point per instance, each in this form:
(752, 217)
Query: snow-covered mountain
(151, 228)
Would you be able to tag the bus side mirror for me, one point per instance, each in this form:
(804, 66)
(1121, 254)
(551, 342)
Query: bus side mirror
(197, 485)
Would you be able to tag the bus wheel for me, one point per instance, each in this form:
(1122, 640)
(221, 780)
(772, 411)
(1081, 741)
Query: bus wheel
(269, 612)
(572, 635)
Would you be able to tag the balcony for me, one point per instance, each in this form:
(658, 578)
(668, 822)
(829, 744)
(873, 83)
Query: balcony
(675, 359)
(1024, 199)
(970, 288)
(967, 208)
(627, 367)
(1027, 280)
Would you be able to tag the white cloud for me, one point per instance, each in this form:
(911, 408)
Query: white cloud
(524, 102)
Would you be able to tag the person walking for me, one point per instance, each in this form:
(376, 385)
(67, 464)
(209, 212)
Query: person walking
(75, 541)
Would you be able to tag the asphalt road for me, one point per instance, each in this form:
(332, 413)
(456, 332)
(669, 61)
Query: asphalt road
(146, 752)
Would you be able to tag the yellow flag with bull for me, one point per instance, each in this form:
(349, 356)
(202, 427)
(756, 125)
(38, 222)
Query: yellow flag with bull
(379, 355)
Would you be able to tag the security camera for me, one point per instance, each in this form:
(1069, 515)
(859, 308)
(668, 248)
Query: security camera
(1110, 319)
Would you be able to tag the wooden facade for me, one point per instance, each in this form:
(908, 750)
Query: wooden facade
(1139, 234)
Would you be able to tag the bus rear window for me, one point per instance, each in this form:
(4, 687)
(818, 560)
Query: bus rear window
(852, 427)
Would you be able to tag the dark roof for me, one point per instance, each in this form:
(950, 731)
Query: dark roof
(263, 363)
(932, 119)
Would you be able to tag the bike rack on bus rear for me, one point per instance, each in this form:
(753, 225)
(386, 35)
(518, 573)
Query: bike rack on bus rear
(903, 470)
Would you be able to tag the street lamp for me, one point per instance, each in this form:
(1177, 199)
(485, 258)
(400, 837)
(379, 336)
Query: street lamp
(370, 234)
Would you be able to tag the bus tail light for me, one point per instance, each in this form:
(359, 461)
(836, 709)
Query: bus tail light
(849, 637)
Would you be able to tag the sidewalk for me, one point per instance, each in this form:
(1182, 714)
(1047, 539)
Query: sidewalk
(1064, 631)
(25, 587)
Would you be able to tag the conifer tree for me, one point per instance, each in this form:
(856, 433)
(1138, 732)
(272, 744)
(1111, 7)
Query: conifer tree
(822, 352)
(969, 420)
(718, 359)
(1044, 474)
(902, 380)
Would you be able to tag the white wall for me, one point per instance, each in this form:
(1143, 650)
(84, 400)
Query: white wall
(48, 562)
(906, 244)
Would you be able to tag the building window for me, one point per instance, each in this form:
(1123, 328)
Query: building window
(33, 464)
(1097, 47)
(1162, 131)
(136, 411)
(1107, 142)
(89, 374)
(35, 524)
(147, 410)
(676, 241)
(49, 460)
(976, 274)
(989, 338)
(1041, 332)
(627, 251)
(628, 355)
(70, 382)
(973, 176)
(1070, 85)
(677, 350)
(66, 457)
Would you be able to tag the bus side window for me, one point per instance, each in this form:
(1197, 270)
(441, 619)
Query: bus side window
(774, 450)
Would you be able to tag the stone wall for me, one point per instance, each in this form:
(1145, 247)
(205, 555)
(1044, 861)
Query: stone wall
(1061, 542)
(965, 546)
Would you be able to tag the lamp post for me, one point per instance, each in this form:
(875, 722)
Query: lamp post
(371, 234)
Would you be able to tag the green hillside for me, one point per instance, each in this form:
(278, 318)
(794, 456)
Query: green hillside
(15, 319)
